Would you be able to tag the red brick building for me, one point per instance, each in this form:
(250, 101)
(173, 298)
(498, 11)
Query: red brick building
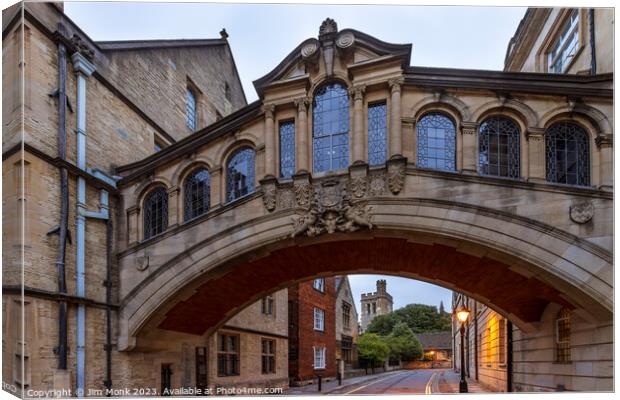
(312, 330)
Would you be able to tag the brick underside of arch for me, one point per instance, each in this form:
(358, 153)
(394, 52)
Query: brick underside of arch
(215, 300)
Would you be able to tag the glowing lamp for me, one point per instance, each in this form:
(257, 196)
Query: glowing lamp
(462, 313)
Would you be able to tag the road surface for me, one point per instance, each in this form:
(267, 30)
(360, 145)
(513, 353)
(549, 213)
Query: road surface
(404, 382)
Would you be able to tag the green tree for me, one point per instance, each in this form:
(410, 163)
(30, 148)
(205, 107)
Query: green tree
(419, 317)
(382, 324)
(372, 349)
(403, 343)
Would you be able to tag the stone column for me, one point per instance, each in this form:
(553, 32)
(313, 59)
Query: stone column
(469, 148)
(396, 139)
(536, 154)
(270, 142)
(604, 142)
(173, 206)
(302, 135)
(132, 222)
(217, 195)
(358, 123)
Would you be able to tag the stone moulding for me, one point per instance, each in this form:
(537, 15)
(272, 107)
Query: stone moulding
(334, 203)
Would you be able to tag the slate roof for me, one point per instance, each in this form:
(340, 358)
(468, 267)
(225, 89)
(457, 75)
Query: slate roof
(436, 340)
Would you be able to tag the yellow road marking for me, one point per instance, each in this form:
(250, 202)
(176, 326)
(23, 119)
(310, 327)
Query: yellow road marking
(372, 383)
(429, 384)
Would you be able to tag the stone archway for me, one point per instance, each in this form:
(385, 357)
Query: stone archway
(515, 265)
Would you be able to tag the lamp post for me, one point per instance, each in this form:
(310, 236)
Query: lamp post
(462, 314)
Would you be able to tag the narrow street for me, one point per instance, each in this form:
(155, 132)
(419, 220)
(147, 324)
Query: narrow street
(405, 382)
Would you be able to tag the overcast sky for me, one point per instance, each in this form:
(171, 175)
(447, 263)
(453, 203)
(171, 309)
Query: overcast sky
(262, 35)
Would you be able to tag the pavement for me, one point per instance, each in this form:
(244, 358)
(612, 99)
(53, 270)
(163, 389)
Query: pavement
(420, 381)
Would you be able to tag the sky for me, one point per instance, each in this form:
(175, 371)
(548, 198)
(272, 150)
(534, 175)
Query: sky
(261, 35)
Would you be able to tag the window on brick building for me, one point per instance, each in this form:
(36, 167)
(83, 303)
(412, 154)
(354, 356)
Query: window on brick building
(319, 319)
(268, 356)
(319, 284)
(191, 117)
(227, 355)
(319, 358)
(562, 336)
(267, 305)
(346, 314)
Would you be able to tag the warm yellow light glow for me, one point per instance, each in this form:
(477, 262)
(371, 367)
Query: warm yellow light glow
(462, 313)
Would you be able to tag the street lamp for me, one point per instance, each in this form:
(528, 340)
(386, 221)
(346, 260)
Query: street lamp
(462, 314)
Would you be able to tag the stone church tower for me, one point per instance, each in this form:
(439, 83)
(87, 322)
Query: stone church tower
(374, 304)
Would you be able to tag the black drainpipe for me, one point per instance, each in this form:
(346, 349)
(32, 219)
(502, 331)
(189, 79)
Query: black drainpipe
(592, 42)
(509, 357)
(108, 312)
(61, 350)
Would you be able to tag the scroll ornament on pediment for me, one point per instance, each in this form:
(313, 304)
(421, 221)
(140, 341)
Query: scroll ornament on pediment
(332, 210)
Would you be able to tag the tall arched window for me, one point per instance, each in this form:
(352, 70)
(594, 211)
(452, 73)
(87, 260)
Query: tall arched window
(155, 212)
(330, 124)
(240, 174)
(197, 194)
(499, 145)
(436, 142)
(568, 154)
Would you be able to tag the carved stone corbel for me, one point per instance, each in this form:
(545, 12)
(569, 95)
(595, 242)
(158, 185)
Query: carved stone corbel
(358, 180)
(302, 187)
(269, 189)
(396, 173)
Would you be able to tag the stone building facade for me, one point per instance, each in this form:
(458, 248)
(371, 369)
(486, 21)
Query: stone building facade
(375, 304)
(312, 330)
(270, 193)
(347, 323)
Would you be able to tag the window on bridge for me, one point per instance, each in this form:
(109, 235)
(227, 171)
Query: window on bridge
(155, 212)
(330, 125)
(197, 194)
(240, 174)
(436, 147)
(377, 133)
(499, 145)
(287, 149)
(568, 155)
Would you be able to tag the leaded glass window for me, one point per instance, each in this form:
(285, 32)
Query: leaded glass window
(240, 174)
(155, 212)
(330, 136)
(436, 142)
(197, 194)
(287, 149)
(568, 155)
(377, 136)
(190, 109)
(499, 147)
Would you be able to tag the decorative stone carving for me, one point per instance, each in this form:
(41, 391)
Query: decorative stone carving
(581, 213)
(82, 47)
(468, 131)
(309, 49)
(268, 109)
(395, 84)
(377, 185)
(332, 211)
(345, 40)
(604, 140)
(357, 92)
(303, 191)
(396, 174)
(269, 197)
(142, 263)
(286, 199)
(358, 186)
(328, 26)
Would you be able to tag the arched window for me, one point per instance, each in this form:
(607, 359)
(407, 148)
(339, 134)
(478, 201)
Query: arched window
(197, 194)
(499, 146)
(240, 174)
(436, 142)
(330, 124)
(155, 212)
(562, 336)
(568, 155)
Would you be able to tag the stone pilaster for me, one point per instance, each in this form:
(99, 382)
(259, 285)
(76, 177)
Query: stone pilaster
(396, 140)
(270, 141)
(604, 143)
(536, 154)
(132, 225)
(357, 93)
(302, 135)
(218, 188)
(469, 149)
(173, 207)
